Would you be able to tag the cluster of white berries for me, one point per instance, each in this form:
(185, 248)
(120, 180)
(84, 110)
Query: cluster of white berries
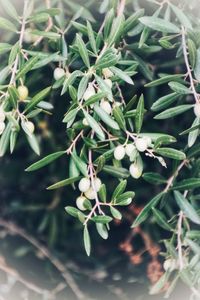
(131, 150)
(104, 103)
(2, 120)
(85, 186)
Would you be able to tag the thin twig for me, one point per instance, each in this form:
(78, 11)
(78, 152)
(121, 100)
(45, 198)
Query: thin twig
(49, 26)
(23, 25)
(180, 254)
(121, 8)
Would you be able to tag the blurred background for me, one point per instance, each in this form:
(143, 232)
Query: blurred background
(41, 250)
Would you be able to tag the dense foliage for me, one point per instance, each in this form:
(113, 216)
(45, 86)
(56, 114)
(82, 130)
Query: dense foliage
(123, 79)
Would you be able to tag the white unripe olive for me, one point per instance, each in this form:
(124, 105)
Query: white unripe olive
(58, 73)
(108, 82)
(119, 152)
(90, 91)
(85, 122)
(23, 92)
(90, 194)
(149, 141)
(97, 184)
(107, 73)
(197, 110)
(129, 149)
(80, 203)
(2, 127)
(2, 114)
(30, 126)
(141, 144)
(84, 184)
(135, 171)
(105, 105)
(170, 265)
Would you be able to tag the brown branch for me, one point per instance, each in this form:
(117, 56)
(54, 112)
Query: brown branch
(121, 8)
(49, 26)
(14, 229)
(189, 73)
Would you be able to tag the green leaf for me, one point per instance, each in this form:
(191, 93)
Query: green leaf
(145, 212)
(116, 29)
(193, 135)
(154, 178)
(122, 75)
(172, 112)
(197, 66)
(27, 67)
(33, 142)
(102, 230)
(94, 125)
(4, 141)
(107, 59)
(119, 117)
(5, 47)
(14, 96)
(64, 182)
(105, 117)
(72, 211)
(37, 98)
(164, 140)
(192, 52)
(179, 88)
(187, 208)
(181, 16)
(82, 50)
(102, 219)
(115, 213)
(45, 161)
(164, 79)
(86, 239)
(116, 171)
(171, 153)
(161, 219)
(139, 114)
(70, 80)
(81, 165)
(82, 86)
(49, 35)
(187, 184)
(10, 9)
(39, 17)
(104, 87)
(131, 21)
(91, 37)
(7, 25)
(119, 189)
(164, 101)
(159, 24)
(93, 99)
